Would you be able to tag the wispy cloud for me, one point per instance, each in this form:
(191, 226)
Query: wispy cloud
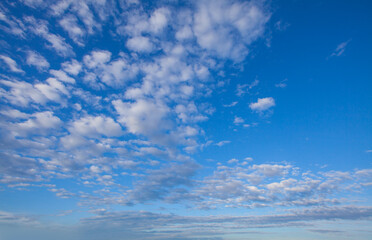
(11, 64)
(340, 49)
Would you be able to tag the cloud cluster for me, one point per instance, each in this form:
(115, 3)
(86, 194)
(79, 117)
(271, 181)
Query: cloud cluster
(113, 97)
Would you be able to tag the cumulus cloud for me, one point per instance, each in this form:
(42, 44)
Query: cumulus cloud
(262, 104)
(143, 117)
(91, 126)
(122, 126)
(238, 120)
(113, 73)
(22, 93)
(219, 23)
(73, 67)
(39, 123)
(140, 44)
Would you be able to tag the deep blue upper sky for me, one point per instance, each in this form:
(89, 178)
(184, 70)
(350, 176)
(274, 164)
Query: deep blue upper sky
(185, 119)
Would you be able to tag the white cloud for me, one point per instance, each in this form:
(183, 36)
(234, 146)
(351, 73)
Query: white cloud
(143, 116)
(12, 65)
(91, 126)
(233, 161)
(242, 89)
(37, 60)
(97, 58)
(70, 24)
(231, 104)
(53, 90)
(238, 120)
(56, 42)
(39, 123)
(62, 193)
(112, 73)
(73, 67)
(161, 182)
(12, 25)
(86, 16)
(33, 3)
(22, 93)
(184, 33)
(218, 24)
(221, 143)
(158, 19)
(62, 76)
(140, 44)
(14, 113)
(262, 104)
(272, 170)
(118, 72)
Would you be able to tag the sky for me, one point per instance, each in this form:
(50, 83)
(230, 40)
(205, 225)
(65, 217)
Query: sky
(224, 119)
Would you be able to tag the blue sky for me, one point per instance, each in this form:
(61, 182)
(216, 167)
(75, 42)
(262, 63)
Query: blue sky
(185, 119)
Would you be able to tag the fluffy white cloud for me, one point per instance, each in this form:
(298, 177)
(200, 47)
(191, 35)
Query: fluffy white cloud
(73, 67)
(37, 60)
(91, 126)
(140, 44)
(238, 120)
(38, 123)
(22, 93)
(113, 73)
(143, 116)
(262, 104)
(97, 58)
(53, 90)
(159, 19)
(219, 23)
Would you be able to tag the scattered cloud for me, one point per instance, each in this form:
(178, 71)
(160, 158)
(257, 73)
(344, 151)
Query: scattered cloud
(221, 143)
(231, 104)
(242, 89)
(55, 42)
(238, 120)
(114, 115)
(282, 83)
